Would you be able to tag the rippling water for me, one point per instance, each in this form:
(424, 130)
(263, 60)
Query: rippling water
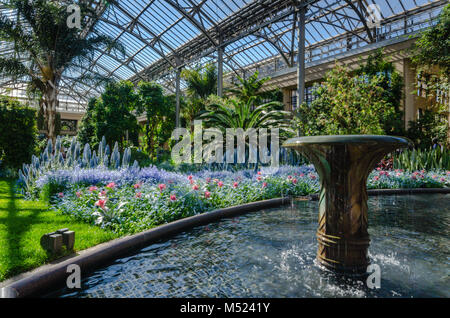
(272, 253)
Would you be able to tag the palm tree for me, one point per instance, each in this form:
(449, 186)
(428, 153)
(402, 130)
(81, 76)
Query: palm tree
(234, 114)
(48, 47)
(201, 83)
(247, 88)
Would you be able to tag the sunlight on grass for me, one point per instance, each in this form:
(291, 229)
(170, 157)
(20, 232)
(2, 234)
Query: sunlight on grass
(22, 223)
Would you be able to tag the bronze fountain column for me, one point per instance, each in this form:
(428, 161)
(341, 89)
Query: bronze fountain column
(344, 164)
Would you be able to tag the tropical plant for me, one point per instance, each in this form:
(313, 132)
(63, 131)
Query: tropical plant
(201, 82)
(245, 89)
(346, 104)
(49, 47)
(231, 113)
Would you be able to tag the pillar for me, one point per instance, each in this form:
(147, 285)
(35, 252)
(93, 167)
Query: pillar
(301, 55)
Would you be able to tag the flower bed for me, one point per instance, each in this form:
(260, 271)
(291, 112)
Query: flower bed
(132, 200)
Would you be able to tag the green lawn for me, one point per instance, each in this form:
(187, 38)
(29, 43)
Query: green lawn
(22, 223)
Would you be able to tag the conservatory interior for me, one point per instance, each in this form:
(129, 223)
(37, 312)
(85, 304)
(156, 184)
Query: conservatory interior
(224, 148)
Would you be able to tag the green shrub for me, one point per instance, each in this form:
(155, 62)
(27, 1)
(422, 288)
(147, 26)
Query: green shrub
(17, 133)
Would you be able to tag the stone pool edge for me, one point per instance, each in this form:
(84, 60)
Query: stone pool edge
(51, 276)
(375, 192)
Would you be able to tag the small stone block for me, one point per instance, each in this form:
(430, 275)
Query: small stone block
(62, 231)
(69, 239)
(55, 243)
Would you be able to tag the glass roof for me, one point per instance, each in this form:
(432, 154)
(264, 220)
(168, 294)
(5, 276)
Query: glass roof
(160, 35)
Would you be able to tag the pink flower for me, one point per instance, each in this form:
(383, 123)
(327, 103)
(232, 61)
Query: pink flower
(78, 194)
(195, 187)
(378, 169)
(100, 203)
(93, 188)
(302, 174)
(173, 197)
(207, 194)
(313, 177)
(376, 178)
(434, 176)
(60, 195)
(289, 177)
(208, 180)
(294, 181)
(259, 178)
(190, 177)
(443, 179)
(259, 173)
(103, 193)
(191, 182)
(137, 186)
(139, 194)
(264, 185)
(235, 185)
(161, 187)
(111, 185)
(220, 184)
(448, 173)
(398, 174)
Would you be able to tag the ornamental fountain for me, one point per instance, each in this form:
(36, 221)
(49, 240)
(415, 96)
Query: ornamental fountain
(344, 163)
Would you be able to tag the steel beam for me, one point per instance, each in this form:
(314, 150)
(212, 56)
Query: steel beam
(220, 71)
(301, 55)
(178, 97)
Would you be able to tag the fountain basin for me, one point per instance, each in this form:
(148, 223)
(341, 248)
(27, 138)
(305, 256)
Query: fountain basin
(272, 253)
(344, 163)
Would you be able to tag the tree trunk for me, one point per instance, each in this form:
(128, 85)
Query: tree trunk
(51, 98)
